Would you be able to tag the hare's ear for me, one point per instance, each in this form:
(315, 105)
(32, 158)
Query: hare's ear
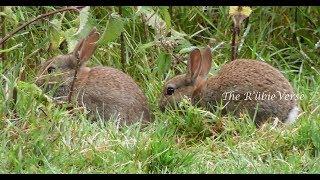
(86, 47)
(200, 84)
(194, 64)
(206, 63)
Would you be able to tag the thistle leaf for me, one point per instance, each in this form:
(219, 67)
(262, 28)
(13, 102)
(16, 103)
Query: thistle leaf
(165, 14)
(73, 35)
(84, 25)
(163, 63)
(56, 37)
(71, 39)
(113, 29)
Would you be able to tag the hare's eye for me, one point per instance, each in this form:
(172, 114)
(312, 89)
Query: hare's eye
(50, 69)
(170, 90)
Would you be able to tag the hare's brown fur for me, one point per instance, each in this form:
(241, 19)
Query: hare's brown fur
(245, 76)
(112, 92)
(241, 77)
(104, 91)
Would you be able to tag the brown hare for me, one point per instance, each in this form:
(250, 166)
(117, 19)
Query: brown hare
(241, 85)
(103, 90)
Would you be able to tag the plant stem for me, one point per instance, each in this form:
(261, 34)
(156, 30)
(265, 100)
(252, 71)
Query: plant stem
(233, 44)
(145, 26)
(3, 32)
(122, 48)
(294, 35)
(73, 82)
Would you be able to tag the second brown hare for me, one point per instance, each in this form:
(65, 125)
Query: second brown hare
(104, 91)
(242, 85)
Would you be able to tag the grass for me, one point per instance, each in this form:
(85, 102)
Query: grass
(38, 137)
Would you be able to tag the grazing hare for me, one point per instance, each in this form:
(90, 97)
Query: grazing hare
(240, 85)
(103, 90)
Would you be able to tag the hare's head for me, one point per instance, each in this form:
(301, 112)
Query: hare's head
(192, 83)
(59, 71)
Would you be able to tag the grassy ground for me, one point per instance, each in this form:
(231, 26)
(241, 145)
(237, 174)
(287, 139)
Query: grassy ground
(38, 137)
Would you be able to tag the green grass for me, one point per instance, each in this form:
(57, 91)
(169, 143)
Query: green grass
(38, 137)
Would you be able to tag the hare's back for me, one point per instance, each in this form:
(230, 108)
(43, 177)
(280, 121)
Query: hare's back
(112, 91)
(108, 81)
(253, 75)
(256, 83)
